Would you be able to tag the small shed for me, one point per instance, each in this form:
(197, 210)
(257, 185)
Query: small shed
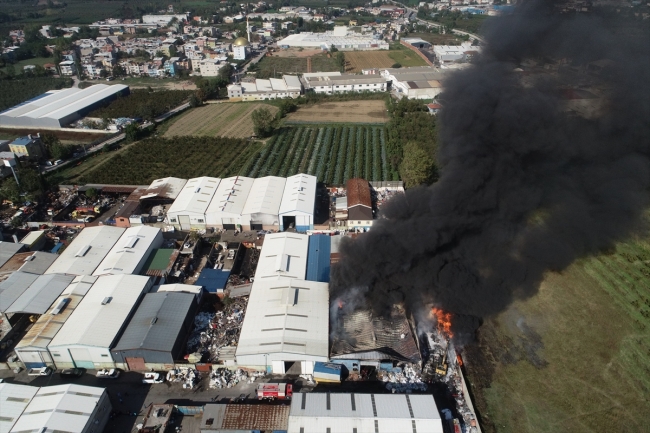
(34, 240)
(213, 280)
(318, 258)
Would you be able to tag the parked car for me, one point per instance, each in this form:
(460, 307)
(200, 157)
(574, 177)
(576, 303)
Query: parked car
(72, 372)
(113, 373)
(153, 377)
(43, 371)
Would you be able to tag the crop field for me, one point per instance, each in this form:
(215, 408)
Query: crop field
(184, 157)
(358, 60)
(333, 154)
(213, 120)
(279, 64)
(372, 111)
(576, 356)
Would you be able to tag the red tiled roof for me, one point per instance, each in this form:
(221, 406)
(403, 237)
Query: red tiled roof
(358, 192)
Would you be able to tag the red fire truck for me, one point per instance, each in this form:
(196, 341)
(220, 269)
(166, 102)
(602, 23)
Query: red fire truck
(272, 391)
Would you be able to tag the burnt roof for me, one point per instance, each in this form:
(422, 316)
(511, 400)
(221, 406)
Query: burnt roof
(358, 192)
(361, 331)
(129, 208)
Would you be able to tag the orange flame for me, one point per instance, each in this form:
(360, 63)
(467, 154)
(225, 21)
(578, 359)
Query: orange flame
(340, 304)
(443, 321)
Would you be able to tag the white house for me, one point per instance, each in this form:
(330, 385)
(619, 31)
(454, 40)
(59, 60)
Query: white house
(298, 203)
(86, 338)
(188, 210)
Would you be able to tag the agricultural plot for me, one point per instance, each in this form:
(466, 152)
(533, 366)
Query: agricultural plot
(372, 111)
(333, 154)
(183, 157)
(277, 65)
(356, 61)
(217, 120)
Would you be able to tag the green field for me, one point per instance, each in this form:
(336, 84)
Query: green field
(576, 356)
(269, 66)
(333, 154)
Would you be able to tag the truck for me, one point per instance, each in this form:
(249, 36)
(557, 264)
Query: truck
(273, 391)
(43, 371)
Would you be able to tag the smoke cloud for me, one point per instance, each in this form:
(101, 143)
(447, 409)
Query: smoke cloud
(532, 177)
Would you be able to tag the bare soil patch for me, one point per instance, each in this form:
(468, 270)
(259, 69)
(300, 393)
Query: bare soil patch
(342, 112)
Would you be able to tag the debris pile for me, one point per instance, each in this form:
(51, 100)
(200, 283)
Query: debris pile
(212, 332)
(188, 376)
(406, 379)
(224, 378)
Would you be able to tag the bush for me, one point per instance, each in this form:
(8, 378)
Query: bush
(396, 65)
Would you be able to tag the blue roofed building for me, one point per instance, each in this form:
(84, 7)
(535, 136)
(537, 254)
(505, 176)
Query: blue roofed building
(213, 280)
(318, 258)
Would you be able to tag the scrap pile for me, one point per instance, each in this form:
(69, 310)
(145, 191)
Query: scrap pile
(406, 379)
(224, 378)
(188, 376)
(212, 332)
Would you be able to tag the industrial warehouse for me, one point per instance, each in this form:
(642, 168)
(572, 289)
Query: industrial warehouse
(59, 108)
(229, 285)
(339, 38)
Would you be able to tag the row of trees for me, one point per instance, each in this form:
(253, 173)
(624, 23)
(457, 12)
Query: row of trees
(144, 103)
(13, 92)
(265, 122)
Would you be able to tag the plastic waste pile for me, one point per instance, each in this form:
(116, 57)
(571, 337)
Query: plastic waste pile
(406, 379)
(224, 378)
(188, 376)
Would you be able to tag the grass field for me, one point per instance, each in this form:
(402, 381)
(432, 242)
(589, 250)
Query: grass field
(295, 65)
(575, 357)
(437, 38)
(36, 61)
(226, 119)
(333, 154)
(358, 60)
(341, 112)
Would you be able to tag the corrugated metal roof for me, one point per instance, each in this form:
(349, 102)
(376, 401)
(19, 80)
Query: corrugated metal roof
(318, 258)
(299, 194)
(283, 255)
(160, 262)
(40, 295)
(364, 332)
(265, 196)
(343, 412)
(101, 314)
(157, 322)
(7, 251)
(195, 197)
(32, 237)
(46, 327)
(213, 280)
(14, 399)
(229, 200)
(40, 263)
(86, 251)
(130, 252)
(13, 287)
(166, 188)
(60, 408)
(286, 316)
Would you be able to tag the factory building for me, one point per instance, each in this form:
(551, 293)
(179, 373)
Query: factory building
(225, 209)
(14, 398)
(298, 203)
(189, 208)
(164, 190)
(421, 82)
(59, 108)
(86, 251)
(335, 82)
(289, 86)
(86, 338)
(65, 408)
(131, 251)
(340, 38)
(343, 412)
(32, 348)
(262, 208)
(30, 293)
(285, 330)
(156, 334)
(359, 204)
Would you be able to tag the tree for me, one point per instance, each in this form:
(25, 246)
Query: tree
(118, 71)
(263, 122)
(417, 166)
(91, 193)
(396, 65)
(132, 132)
(194, 101)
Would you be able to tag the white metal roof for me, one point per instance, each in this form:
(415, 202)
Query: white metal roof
(292, 82)
(46, 327)
(32, 237)
(130, 251)
(184, 288)
(278, 84)
(60, 408)
(283, 255)
(286, 316)
(195, 197)
(100, 315)
(343, 412)
(168, 187)
(86, 251)
(265, 196)
(14, 399)
(299, 194)
(230, 198)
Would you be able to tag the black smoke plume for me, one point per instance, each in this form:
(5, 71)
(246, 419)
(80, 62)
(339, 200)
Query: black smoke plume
(531, 178)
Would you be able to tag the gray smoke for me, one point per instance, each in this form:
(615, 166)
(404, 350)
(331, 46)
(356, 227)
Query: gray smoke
(531, 178)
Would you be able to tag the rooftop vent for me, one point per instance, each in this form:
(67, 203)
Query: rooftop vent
(154, 320)
(106, 300)
(82, 252)
(131, 242)
(30, 258)
(60, 306)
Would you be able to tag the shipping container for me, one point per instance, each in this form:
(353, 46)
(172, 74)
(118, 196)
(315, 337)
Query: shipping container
(327, 372)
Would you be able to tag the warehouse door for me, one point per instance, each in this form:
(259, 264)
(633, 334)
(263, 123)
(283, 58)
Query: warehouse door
(184, 221)
(255, 226)
(288, 222)
(229, 227)
(135, 364)
(81, 358)
(34, 359)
